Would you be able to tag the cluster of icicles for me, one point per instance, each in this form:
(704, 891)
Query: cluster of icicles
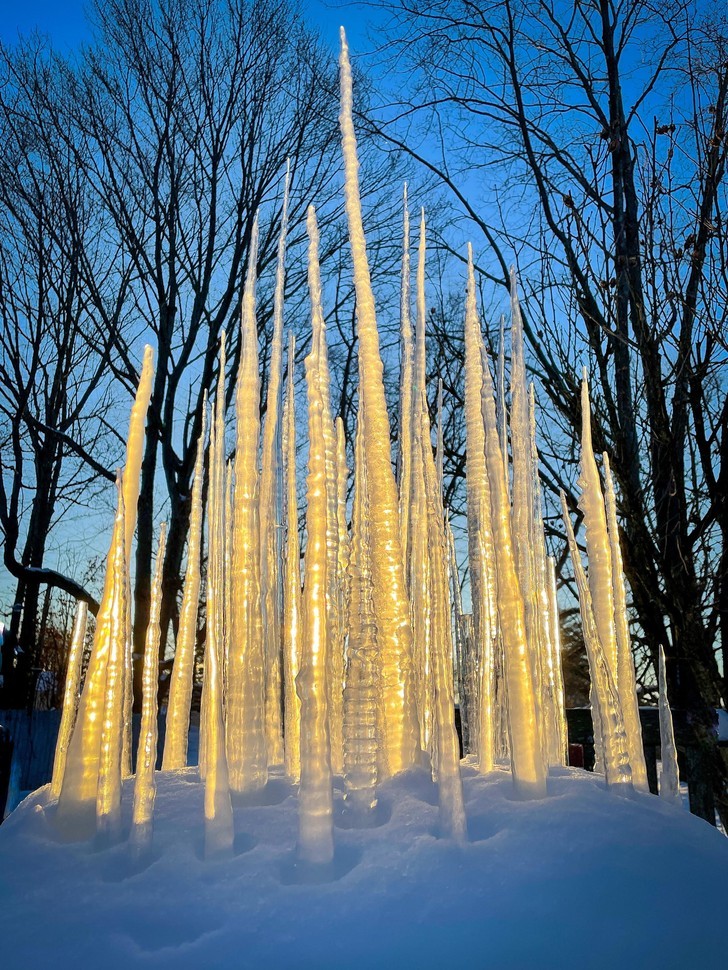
(352, 673)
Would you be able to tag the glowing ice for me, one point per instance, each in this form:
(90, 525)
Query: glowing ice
(145, 789)
(335, 660)
(270, 510)
(70, 697)
(245, 707)
(529, 774)
(315, 794)
(390, 594)
(292, 584)
(108, 792)
(180, 687)
(480, 536)
(76, 807)
(626, 683)
(607, 713)
(361, 695)
(449, 782)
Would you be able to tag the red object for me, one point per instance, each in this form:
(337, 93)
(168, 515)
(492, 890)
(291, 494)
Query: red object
(576, 755)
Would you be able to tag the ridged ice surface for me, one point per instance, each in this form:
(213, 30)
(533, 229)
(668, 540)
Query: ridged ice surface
(145, 786)
(246, 741)
(76, 812)
(270, 509)
(315, 813)
(480, 534)
(607, 712)
(180, 688)
(390, 593)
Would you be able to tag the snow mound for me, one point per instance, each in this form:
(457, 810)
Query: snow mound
(582, 879)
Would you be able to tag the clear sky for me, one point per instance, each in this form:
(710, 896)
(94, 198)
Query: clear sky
(65, 23)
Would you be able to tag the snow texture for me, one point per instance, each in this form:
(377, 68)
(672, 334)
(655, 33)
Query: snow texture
(584, 879)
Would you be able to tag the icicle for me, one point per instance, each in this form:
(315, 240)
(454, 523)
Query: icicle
(361, 707)
(342, 579)
(607, 712)
(108, 794)
(270, 514)
(460, 642)
(598, 547)
(145, 789)
(418, 563)
(245, 702)
(76, 807)
(440, 452)
(553, 742)
(223, 513)
(128, 705)
(523, 504)
(315, 797)
(501, 409)
(218, 808)
(529, 774)
(405, 392)
(557, 663)
(626, 683)
(292, 584)
(669, 776)
(450, 788)
(181, 682)
(336, 639)
(228, 581)
(480, 534)
(70, 697)
(390, 593)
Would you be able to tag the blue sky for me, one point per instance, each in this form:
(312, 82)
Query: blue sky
(65, 23)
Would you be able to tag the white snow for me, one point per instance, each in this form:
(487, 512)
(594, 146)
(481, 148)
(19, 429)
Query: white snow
(585, 879)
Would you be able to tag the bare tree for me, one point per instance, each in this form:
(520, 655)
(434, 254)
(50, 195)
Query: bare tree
(598, 135)
(54, 391)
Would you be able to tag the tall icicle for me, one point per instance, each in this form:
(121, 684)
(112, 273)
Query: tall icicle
(342, 576)
(390, 592)
(598, 549)
(77, 804)
(529, 773)
(292, 583)
(523, 505)
(270, 511)
(405, 390)
(128, 702)
(145, 789)
(219, 830)
(245, 702)
(440, 449)
(460, 640)
(607, 710)
(625, 676)
(449, 782)
(552, 716)
(480, 535)
(183, 669)
(108, 793)
(336, 634)
(669, 776)
(501, 409)
(70, 697)
(418, 565)
(554, 620)
(315, 795)
(361, 708)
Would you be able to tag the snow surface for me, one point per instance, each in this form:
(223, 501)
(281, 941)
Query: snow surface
(583, 879)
